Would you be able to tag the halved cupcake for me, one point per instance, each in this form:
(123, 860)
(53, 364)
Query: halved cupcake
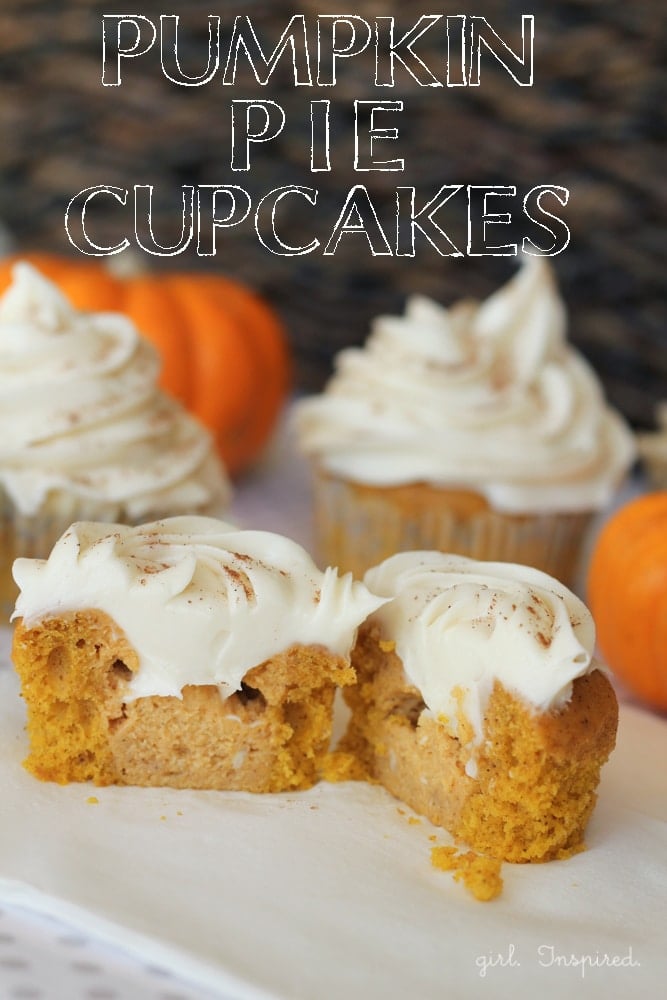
(479, 702)
(183, 652)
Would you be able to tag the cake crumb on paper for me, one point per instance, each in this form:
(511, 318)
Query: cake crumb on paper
(480, 875)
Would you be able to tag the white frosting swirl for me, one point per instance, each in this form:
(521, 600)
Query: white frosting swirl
(463, 624)
(80, 412)
(199, 600)
(487, 397)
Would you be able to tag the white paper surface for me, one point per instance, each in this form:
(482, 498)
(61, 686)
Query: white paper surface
(330, 894)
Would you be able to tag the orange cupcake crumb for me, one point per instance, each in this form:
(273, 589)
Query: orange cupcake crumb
(480, 875)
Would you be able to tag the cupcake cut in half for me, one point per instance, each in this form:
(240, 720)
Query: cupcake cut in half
(477, 430)
(478, 702)
(183, 652)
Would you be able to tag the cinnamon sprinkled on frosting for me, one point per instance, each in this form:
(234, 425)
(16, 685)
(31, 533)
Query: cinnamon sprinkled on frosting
(459, 625)
(81, 413)
(201, 601)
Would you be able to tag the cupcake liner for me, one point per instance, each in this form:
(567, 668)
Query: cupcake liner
(358, 526)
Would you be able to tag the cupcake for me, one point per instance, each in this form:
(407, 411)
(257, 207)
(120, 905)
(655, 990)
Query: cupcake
(479, 702)
(182, 653)
(477, 430)
(87, 433)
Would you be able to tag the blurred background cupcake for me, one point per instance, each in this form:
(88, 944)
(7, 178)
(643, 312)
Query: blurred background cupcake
(85, 433)
(477, 430)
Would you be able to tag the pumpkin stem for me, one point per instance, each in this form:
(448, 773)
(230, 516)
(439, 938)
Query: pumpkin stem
(128, 264)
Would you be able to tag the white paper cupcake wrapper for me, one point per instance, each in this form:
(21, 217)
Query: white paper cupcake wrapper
(356, 530)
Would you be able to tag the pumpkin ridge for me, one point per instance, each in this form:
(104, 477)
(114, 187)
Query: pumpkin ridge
(222, 370)
(265, 338)
(157, 315)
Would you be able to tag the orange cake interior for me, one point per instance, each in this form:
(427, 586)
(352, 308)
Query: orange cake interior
(269, 736)
(533, 786)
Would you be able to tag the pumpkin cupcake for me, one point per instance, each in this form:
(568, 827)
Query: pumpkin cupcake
(477, 430)
(84, 431)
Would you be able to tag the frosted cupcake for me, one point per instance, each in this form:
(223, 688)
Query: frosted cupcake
(476, 430)
(85, 434)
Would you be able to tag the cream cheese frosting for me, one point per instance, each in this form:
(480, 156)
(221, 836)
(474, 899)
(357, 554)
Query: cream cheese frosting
(485, 396)
(199, 600)
(460, 624)
(81, 413)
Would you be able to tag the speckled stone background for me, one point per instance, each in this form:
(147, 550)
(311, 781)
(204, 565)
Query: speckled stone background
(593, 122)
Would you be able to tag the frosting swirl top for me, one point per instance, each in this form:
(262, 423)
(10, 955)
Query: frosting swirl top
(484, 396)
(80, 412)
(460, 624)
(200, 601)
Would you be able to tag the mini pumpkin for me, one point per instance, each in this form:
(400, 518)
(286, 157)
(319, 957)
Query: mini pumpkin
(224, 352)
(627, 595)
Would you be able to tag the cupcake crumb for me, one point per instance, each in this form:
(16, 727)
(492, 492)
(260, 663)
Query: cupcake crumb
(340, 765)
(480, 875)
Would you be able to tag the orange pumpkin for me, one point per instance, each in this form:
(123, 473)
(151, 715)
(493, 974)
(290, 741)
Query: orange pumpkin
(224, 352)
(627, 594)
